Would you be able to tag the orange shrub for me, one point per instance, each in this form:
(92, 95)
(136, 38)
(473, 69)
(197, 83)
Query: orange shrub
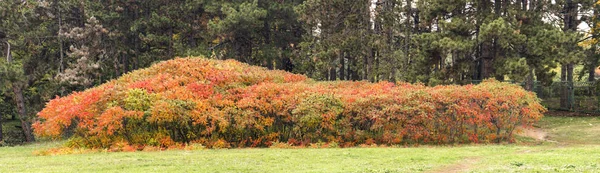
(230, 104)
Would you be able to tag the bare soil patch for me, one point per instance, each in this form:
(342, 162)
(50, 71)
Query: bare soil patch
(535, 133)
(462, 166)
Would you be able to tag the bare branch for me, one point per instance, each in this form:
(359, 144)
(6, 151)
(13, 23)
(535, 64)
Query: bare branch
(8, 54)
(589, 37)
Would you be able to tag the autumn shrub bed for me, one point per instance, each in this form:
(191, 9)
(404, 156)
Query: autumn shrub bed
(222, 104)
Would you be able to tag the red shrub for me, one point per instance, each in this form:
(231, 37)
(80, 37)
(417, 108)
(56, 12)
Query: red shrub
(230, 104)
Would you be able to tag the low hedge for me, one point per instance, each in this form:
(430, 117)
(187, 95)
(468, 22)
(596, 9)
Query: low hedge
(230, 104)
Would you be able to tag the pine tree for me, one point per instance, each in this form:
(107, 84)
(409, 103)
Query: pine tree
(338, 44)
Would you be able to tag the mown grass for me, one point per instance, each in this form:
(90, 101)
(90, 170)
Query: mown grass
(572, 130)
(572, 153)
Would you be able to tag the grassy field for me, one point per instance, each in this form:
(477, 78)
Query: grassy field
(572, 145)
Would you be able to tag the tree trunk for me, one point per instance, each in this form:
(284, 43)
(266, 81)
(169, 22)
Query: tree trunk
(355, 75)
(563, 87)
(570, 88)
(116, 65)
(126, 62)
(530, 82)
(349, 70)
(342, 64)
(371, 75)
(170, 48)
(332, 73)
(407, 41)
(60, 41)
(8, 54)
(367, 63)
(22, 112)
(567, 68)
(20, 102)
(497, 7)
(594, 53)
(266, 32)
(378, 73)
(1, 132)
(592, 68)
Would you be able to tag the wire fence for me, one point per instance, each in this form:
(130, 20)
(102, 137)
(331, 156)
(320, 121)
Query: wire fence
(567, 96)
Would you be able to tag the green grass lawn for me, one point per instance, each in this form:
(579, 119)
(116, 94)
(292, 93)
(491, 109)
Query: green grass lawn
(572, 130)
(576, 148)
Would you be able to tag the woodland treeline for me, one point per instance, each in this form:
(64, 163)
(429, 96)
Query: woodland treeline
(56, 47)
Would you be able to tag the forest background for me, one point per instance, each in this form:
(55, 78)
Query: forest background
(52, 48)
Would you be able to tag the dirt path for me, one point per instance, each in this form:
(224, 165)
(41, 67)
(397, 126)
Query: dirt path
(463, 166)
(534, 133)
(466, 164)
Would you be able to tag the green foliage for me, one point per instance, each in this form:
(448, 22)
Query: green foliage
(316, 116)
(138, 100)
(245, 18)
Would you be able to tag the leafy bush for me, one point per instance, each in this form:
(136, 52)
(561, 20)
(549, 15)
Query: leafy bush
(221, 104)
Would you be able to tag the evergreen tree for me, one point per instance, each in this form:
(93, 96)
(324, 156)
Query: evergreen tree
(338, 44)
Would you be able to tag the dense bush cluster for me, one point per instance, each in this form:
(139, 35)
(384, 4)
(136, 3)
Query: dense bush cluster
(231, 104)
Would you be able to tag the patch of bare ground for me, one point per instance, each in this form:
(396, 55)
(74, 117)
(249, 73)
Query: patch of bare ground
(463, 166)
(534, 133)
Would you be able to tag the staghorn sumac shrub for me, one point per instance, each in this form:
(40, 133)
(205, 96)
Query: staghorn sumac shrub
(230, 104)
(316, 117)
